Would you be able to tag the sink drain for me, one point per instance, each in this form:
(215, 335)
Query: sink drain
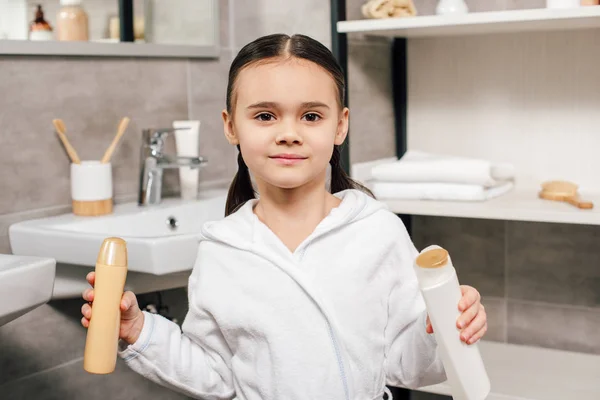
(172, 223)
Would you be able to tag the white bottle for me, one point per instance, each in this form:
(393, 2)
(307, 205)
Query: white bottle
(448, 7)
(439, 285)
(186, 144)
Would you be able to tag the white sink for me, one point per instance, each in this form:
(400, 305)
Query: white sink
(153, 246)
(25, 283)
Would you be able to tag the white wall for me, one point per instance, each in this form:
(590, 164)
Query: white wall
(13, 19)
(531, 99)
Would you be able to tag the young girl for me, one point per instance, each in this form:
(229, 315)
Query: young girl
(300, 293)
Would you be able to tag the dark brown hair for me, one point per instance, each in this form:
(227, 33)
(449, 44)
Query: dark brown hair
(270, 47)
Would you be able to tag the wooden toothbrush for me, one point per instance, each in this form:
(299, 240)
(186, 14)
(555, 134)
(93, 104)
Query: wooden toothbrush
(120, 131)
(59, 125)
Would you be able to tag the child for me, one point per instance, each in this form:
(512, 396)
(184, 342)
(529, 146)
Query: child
(302, 293)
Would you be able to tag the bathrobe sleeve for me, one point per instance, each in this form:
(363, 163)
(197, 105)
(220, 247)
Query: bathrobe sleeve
(412, 358)
(189, 360)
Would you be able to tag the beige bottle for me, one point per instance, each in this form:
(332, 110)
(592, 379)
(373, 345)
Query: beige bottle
(72, 21)
(100, 356)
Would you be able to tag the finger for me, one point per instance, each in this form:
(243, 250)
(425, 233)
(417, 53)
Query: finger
(91, 278)
(478, 335)
(88, 295)
(469, 297)
(127, 300)
(85, 322)
(474, 327)
(86, 311)
(467, 316)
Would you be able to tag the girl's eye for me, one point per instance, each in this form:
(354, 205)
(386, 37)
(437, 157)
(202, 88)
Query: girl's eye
(264, 117)
(312, 117)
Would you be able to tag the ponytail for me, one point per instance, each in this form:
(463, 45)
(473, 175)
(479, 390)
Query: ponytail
(339, 179)
(241, 189)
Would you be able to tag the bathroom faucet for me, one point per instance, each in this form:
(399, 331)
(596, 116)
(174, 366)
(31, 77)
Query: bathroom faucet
(153, 161)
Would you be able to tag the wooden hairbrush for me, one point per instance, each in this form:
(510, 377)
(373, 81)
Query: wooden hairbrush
(564, 191)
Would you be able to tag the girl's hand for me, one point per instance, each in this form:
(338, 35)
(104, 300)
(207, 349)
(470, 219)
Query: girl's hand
(132, 318)
(473, 320)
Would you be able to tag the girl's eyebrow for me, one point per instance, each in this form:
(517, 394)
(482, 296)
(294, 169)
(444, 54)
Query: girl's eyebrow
(263, 104)
(274, 105)
(314, 104)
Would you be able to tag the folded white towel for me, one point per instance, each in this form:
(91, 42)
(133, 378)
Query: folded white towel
(437, 191)
(418, 166)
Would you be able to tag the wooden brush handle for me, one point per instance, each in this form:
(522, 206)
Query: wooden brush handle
(573, 200)
(120, 131)
(577, 202)
(60, 130)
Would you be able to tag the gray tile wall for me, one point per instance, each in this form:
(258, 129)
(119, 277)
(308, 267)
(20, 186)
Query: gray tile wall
(371, 133)
(540, 282)
(41, 355)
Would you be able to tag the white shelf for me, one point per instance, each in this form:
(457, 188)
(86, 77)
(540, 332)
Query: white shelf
(519, 372)
(105, 49)
(478, 23)
(518, 205)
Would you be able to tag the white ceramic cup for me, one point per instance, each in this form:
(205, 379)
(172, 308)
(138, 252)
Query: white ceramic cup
(563, 3)
(91, 180)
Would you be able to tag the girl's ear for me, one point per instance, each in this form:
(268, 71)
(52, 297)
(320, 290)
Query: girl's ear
(228, 128)
(342, 127)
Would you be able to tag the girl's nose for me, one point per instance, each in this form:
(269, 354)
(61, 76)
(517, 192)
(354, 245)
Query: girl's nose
(289, 135)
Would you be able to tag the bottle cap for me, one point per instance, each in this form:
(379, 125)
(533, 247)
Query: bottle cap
(433, 258)
(113, 252)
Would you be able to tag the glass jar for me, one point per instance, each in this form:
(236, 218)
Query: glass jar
(72, 21)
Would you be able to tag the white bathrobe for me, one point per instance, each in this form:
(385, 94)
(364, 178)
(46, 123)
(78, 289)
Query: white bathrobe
(337, 319)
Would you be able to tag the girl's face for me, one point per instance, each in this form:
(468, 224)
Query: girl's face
(286, 119)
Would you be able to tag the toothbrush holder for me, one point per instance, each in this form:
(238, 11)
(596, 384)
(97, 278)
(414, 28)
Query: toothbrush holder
(91, 188)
